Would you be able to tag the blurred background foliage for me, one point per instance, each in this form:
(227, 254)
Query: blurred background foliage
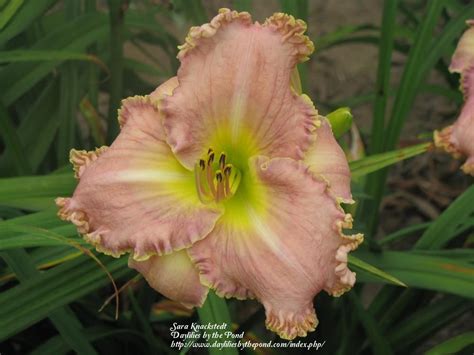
(66, 65)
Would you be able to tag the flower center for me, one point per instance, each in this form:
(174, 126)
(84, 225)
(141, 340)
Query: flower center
(216, 179)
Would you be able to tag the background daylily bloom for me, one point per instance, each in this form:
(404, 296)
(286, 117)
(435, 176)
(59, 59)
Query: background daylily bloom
(225, 178)
(458, 138)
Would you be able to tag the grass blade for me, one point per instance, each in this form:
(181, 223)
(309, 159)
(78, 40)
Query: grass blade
(360, 264)
(453, 345)
(215, 311)
(24, 17)
(35, 298)
(376, 162)
(116, 15)
(11, 140)
(63, 319)
(444, 227)
(383, 75)
(9, 11)
(380, 344)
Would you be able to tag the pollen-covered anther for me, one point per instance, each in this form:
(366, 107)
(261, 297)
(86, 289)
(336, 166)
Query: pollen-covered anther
(216, 180)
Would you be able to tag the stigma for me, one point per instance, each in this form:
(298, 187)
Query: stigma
(216, 179)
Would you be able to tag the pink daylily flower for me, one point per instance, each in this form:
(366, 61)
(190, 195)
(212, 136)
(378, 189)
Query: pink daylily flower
(458, 139)
(225, 177)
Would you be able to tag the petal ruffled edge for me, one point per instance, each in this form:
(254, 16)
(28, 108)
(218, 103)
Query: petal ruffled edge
(290, 28)
(292, 31)
(346, 277)
(74, 209)
(80, 159)
(442, 140)
(326, 158)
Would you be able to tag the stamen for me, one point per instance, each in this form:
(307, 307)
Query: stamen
(227, 171)
(210, 179)
(222, 161)
(220, 186)
(203, 192)
(215, 181)
(210, 160)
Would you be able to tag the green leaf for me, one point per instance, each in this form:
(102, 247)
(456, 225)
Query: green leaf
(56, 345)
(9, 11)
(376, 162)
(453, 345)
(429, 272)
(12, 142)
(424, 322)
(49, 186)
(34, 55)
(23, 18)
(32, 300)
(403, 232)
(360, 264)
(63, 318)
(443, 229)
(242, 5)
(36, 135)
(116, 17)
(215, 311)
(383, 74)
(411, 78)
(380, 344)
(74, 35)
(341, 35)
(18, 236)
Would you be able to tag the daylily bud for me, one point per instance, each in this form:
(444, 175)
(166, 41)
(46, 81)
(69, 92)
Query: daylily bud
(340, 120)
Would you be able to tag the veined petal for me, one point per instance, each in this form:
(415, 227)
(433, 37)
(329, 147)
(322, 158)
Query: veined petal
(290, 248)
(135, 196)
(174, 276)
(234, 89)
(326, 158)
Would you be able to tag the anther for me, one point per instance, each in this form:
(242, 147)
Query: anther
(228, 169)
(202, 164)
(222, 160)
(219, 176)
(211, 158)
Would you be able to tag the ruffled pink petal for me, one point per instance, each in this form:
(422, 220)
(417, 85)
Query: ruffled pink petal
(463, 132)
(174, 276)
(325, 157)
(165, 89)
(284, 249)
(135, 196)
(234, 89)
(463, 57)
(458, 139)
